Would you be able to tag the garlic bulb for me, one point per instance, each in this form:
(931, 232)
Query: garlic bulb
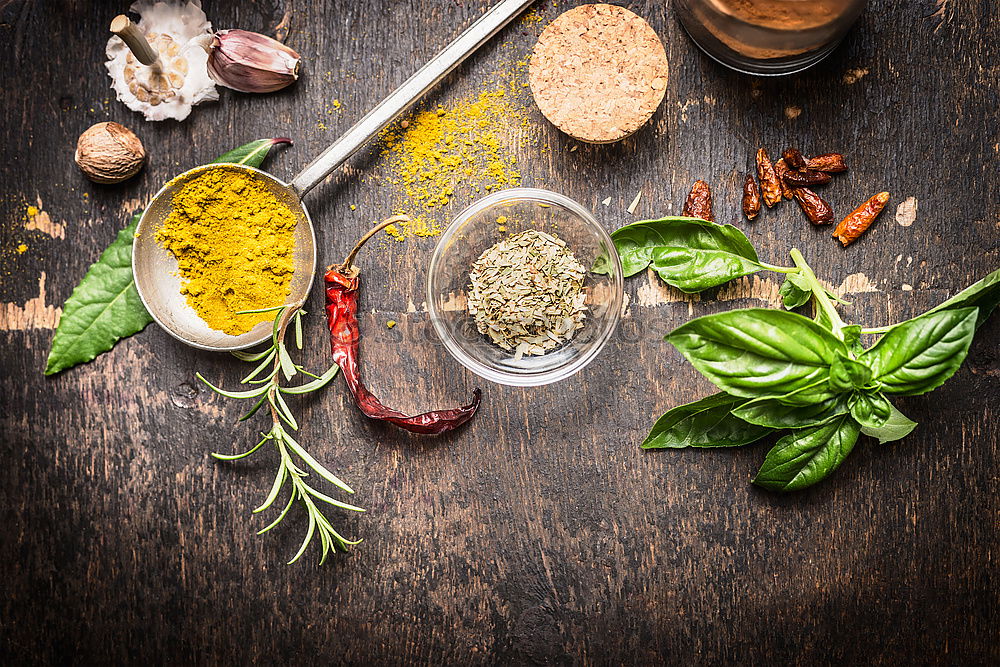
(178, 79)
(251, 62)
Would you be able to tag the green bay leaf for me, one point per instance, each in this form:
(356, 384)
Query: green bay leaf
(251, 154)
(104, 308)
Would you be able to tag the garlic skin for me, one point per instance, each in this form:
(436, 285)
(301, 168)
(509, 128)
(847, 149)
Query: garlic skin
(179, 79)
(251, 63)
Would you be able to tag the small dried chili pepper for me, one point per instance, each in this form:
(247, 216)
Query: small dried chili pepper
(815, 207)
(805, 178)
(793, 158)
(831, 163)
(751, 197)
(699, 202)
(780, 169)
(858, 220)
(341, 313)
(770, 187)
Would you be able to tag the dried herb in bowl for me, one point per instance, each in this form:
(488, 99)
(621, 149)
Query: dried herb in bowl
(526, 293)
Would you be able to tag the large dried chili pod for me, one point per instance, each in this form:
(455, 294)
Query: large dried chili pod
(341, 314)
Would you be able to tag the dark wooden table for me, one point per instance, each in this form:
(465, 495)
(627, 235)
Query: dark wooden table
(541, 533)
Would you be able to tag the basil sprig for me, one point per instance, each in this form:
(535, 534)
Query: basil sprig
(781, 371)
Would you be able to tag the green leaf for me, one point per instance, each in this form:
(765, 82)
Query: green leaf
(104, 308)
(896, 427)
(871, 409)
(921, 354)
(757, 352)
(846, 374)
(772, 413)
(795, 291)
(318, 383)
(984, 294)
(695, 269)
(250, 393)
(636, 242)
(251, 154)
(808, 455)
(852, 337)
(704, 423)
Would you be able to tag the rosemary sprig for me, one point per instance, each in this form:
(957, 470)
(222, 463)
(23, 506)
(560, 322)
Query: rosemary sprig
(273, 364)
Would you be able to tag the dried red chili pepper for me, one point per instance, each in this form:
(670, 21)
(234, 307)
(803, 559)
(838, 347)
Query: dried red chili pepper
(815, 207)
(770, 187)
(780, 169)
(805, 178)
(793, 158)
(858, 220)
(699, 202)
(341, 313)
(831, 163)
(751, 197)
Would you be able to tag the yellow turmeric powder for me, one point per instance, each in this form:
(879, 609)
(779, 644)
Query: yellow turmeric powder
(439, 153)
(233, 240)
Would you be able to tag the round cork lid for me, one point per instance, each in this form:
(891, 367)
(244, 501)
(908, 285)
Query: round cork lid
(598, 73)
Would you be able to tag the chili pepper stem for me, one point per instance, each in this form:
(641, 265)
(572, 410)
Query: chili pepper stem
(819, 293)
(349, 261)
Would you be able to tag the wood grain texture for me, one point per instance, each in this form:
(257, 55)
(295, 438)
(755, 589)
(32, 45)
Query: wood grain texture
(540, 533)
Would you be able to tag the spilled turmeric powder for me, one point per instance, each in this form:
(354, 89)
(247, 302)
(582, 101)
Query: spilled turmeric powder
(233, 240)
(460, 149)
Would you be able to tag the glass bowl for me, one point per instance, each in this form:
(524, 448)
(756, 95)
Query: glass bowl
(492, 219)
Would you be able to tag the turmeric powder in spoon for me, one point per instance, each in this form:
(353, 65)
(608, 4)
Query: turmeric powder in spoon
(233, 240)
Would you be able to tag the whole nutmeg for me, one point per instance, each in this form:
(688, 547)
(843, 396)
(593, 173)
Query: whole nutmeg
(109, 153)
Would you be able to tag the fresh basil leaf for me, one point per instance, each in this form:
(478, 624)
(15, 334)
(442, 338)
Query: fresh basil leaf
(846, 374)
(704, 423)
(921, 354)
(772, 413)
(983, 294)
(104, 308)
(251, 154)
(757, 352)
(809, 395)
(694, 269)
(795, 291)
(637, 242)
(852, 337)
(896, 427)
(870, 409)
(808, 455)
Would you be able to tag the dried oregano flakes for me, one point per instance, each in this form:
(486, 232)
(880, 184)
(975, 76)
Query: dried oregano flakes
(526, 293)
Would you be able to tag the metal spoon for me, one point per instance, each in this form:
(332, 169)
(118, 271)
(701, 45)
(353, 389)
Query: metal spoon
(155, 269)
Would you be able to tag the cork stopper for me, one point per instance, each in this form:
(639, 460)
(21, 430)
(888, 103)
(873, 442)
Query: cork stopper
(598, 72)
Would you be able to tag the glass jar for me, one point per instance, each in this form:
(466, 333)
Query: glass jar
(768, 37)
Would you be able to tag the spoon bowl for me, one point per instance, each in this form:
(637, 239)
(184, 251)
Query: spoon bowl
(159, 284)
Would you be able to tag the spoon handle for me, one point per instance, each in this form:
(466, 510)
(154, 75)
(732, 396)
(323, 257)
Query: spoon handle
(409, 92)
